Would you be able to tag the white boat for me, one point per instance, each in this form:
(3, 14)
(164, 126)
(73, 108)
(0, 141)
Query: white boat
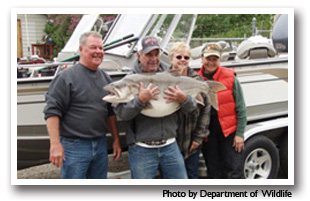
(120, 47)
(264, 81)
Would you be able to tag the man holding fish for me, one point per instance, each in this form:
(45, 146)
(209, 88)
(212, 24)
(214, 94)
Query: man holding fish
(151, 140)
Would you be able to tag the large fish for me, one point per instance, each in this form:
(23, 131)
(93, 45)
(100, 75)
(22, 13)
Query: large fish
(124, 90)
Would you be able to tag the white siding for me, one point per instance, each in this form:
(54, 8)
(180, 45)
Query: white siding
(36, 24)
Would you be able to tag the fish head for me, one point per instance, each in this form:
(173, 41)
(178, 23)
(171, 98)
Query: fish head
(120, 92)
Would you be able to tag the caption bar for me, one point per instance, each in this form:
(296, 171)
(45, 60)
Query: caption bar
(227, 194)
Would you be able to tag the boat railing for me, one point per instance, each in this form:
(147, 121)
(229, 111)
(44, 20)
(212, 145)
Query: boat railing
(41, 71)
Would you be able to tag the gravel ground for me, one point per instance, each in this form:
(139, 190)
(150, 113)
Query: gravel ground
(49, 171)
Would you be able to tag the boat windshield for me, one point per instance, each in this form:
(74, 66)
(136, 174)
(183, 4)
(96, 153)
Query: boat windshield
(168, 28)
(124, 25)
(172, 28)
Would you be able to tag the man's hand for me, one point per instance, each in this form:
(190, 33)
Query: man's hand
(148, 93)
(175, 95)
(117, 150)
(238, 144)
(194, 146)
(57, 155)
(112, 124)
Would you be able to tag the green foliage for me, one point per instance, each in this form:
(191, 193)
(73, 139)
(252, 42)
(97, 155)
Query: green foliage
(61, 26)
(230, 25)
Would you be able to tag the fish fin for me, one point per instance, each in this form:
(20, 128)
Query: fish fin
(149, 106)
(134, 88)
(199, 99)
(174, 72)
(147, 73)
(133, 85)
(216, 86)
(114, 104)
(212, 97)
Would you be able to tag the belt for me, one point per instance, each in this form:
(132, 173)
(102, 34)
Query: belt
(156, 143)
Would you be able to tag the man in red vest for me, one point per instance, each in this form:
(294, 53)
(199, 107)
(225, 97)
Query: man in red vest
(222, 149)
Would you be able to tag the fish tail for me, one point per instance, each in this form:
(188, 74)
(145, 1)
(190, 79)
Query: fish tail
(216, 86)
(212, 97)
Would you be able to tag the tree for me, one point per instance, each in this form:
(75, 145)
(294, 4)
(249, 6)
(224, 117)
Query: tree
(230, 25)
(61, 26)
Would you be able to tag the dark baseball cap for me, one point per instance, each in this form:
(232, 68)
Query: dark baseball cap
(149, 43)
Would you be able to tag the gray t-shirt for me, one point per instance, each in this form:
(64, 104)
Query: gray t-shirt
(75, 95)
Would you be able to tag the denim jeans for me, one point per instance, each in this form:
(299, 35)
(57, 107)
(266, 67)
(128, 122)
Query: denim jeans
(144, 162)
(85, 158)
(191, 164)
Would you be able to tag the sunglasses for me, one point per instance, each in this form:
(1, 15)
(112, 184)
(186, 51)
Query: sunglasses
(179, 57)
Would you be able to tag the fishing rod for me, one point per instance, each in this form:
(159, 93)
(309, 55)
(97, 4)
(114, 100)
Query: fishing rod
(106, 46)
(114, 45)
(118, 40)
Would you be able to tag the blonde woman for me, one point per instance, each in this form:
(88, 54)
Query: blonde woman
(193, 127)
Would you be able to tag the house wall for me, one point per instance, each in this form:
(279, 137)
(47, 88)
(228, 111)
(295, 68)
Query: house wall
(35, 24)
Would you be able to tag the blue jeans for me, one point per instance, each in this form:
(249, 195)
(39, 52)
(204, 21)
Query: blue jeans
(191, 164)
(144, 162)
(85, 158)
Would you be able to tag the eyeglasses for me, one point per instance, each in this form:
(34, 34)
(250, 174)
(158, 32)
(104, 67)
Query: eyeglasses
(179, 57)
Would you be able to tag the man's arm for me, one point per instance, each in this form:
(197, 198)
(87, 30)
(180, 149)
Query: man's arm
(57, 155)
(112, 124)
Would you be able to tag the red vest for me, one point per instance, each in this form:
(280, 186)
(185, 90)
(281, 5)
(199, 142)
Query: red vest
(226, 112)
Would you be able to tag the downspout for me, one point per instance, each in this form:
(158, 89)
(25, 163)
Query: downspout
(28, 44)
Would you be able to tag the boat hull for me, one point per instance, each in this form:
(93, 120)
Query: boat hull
(264, 83)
